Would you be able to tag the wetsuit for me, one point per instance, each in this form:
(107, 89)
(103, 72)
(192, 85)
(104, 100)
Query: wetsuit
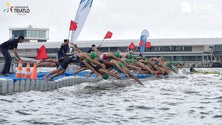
(95, 66)
(69, 59)
(62, 52)
(192, 69)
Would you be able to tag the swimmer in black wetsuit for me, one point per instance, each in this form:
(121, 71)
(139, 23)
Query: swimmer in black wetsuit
(192, 68)
(76, 58)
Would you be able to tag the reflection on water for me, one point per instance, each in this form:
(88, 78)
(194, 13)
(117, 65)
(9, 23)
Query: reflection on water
(177, 99)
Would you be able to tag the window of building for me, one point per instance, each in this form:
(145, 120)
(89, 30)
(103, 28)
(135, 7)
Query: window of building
(164, 48)
(187, 48)
(52, 50)
(187, 58)
(37, 33)
(17, 33)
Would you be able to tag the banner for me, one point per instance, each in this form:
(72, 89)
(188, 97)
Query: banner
(143, 38)
(80, 19)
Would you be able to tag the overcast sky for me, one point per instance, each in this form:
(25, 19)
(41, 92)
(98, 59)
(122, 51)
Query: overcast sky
(125, 18)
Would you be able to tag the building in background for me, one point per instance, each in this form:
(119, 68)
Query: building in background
(201, 51)
(31, 34)
(205, 52)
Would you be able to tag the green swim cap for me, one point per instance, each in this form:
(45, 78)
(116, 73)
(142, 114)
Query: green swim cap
(134, 57)
(117, 54)
(92, 55)
(130, 56)
(87, 60)
(120, 64)
(130, 61)
(144, 58)
(105, 76)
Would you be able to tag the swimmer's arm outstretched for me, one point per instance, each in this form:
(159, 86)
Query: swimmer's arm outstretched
(90, 67)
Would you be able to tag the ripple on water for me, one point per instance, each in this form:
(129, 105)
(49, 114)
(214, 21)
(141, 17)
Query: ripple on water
(38, 122)
(6, 100)
(3, 121)
(217, 116)
(130, 108)
(164, 108)
(23, 112)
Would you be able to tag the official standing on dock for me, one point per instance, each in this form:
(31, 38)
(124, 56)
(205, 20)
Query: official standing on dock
(11, 44)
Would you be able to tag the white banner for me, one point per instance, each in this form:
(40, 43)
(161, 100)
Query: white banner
(81, 15)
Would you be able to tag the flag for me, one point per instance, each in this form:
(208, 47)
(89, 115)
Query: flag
(73, 25)
(143, 38)
(132, 45)
(108, 35)
(148, 44)
(80, 18)
(42, 54)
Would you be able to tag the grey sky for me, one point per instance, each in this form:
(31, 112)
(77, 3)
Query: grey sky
(125, 18)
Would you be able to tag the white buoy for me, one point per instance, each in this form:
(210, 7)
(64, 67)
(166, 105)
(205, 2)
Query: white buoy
(49, 86)
(16, 86)
(22, 85)
(10, 86)
(32, 85)
(3, 87)
(60, 83)
(42, 86)
(37, 85)
(28, 85)
(72, 81)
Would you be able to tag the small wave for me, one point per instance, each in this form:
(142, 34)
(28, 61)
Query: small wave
(5, 100)
(130, 108)
(164, 108)
(103, 86)
(38, 122)
(3, 121)
(191, 92)
(22, 112)
(171, 103)
(217, 116)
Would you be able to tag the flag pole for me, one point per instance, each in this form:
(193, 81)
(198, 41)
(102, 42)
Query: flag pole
(101, 43)
(69, 35)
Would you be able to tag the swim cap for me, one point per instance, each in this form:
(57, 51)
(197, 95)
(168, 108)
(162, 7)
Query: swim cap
(117, 54)
(134, 57)
(105, 76)
(130, 56)
(120, 64)
(144, 58)
(92, 55)
(87, 60)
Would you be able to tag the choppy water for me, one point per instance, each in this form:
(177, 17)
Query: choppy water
(176, 100)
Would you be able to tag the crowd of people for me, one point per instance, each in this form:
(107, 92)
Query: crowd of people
(107, 64)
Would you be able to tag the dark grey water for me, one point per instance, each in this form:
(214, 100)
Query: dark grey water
(176, 100)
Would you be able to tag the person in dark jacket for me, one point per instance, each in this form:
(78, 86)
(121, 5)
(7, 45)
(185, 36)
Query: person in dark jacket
(64, 49)
(11, 44)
